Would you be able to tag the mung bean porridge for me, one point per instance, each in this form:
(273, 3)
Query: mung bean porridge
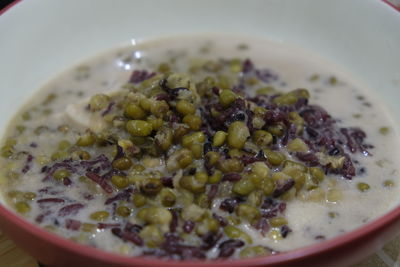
(201, 147)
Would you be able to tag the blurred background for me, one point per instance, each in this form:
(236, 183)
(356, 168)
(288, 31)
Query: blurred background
(4, 3)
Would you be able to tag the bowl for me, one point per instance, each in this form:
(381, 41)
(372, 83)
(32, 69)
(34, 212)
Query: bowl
(41, 38)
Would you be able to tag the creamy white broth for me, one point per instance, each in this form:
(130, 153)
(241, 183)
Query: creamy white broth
(310, 221)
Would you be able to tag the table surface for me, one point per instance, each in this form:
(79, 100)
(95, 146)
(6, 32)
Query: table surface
(12, 256)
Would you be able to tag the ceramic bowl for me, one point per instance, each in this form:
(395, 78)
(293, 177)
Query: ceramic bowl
(41, 38)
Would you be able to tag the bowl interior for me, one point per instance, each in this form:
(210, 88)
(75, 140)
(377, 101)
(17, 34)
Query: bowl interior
(33, 49)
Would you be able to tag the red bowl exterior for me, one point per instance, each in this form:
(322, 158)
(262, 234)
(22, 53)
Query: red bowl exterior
(344, 250)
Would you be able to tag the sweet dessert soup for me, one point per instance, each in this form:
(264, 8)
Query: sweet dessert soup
(201, 147)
